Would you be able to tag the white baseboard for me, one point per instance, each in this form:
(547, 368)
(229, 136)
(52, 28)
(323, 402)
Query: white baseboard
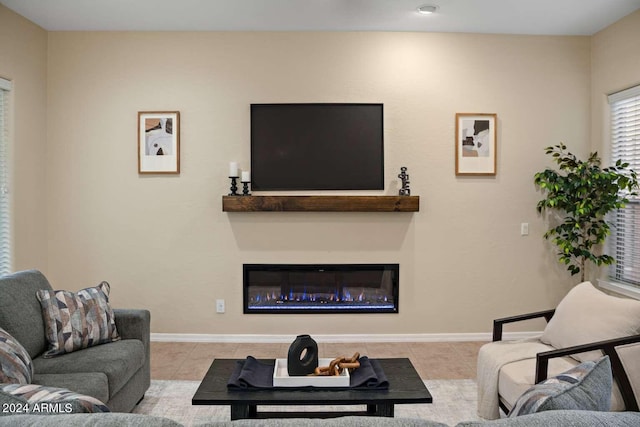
(259, 339)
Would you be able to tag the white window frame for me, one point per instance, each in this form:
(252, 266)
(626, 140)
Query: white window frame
(6, 252)
(615, 280)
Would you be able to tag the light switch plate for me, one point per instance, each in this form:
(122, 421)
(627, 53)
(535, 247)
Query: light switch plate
(219, 306)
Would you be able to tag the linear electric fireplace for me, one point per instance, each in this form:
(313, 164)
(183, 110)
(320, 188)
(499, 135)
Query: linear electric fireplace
(326, 288)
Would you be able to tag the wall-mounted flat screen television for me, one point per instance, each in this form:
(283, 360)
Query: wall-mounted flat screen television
(317, 147)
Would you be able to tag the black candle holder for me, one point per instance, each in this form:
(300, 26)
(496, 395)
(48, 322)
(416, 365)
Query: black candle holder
(234, 186)
(404, 176)
(245, 188)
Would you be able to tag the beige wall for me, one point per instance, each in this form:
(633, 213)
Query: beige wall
(615, 65)
(164, 243)
(83, 214)
(23, 60)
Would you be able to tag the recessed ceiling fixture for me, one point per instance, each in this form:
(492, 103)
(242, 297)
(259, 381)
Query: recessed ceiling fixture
(427, 9)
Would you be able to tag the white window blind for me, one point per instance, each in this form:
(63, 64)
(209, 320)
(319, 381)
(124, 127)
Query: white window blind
(624, 242)
(5, 220)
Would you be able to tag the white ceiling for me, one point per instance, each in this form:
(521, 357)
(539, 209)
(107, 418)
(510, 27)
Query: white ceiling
(556, 17)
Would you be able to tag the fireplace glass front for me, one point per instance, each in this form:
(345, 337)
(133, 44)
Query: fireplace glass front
(326, 288)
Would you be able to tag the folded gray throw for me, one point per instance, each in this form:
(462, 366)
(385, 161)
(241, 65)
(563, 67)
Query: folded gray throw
(251, 374)
(369, 375)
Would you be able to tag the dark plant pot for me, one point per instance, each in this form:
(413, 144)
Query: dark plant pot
(303, 356)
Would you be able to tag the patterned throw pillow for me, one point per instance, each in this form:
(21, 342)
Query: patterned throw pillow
(77, 320)
(16, 366)
(41, 400)
(586, 387)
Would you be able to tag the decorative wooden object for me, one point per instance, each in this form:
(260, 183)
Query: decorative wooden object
(321, 203)
(338, 365)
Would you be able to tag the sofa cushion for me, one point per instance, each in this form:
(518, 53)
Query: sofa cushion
(106, 419)
(37, 399)
(94, 384)
(517, 377)
(16, 366)
(630, 359)
(586, 387)
(118, 360)
(77, 320)
(343, 421)
(563, 418)
(20, 311)
(574, 323)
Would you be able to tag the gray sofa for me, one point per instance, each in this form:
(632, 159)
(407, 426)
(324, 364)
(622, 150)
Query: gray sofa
(541, 419)
(117, 373)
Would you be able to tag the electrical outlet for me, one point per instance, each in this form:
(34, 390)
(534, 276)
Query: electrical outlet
(219, 306)
(524, 229)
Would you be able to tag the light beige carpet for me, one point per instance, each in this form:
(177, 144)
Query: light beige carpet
(453, 401)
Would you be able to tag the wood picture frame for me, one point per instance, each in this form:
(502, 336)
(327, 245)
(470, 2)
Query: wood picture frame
(476, 143)
(159, 142)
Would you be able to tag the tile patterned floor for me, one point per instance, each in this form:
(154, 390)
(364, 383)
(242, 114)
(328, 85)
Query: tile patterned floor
(432, 360)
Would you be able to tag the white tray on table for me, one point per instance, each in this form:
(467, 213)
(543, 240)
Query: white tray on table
(281, 377)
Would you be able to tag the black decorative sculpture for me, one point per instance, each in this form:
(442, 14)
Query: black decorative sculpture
(404, 176)
(303, 356)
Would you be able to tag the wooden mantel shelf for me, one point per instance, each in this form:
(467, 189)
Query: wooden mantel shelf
(320, 203)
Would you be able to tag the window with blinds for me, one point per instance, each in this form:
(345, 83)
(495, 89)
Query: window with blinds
(624, 242)
(5, 220)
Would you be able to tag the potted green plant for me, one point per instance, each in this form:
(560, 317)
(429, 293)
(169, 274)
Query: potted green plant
(584, 193)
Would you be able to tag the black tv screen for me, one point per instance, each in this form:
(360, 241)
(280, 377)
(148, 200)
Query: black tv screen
(317, 147)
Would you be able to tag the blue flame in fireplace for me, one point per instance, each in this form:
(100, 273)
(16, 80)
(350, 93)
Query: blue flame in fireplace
(308, 295)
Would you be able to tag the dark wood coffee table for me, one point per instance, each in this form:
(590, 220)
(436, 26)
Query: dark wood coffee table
(405, 386)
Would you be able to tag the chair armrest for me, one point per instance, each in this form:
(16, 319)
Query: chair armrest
(499, 323)
(133, 324)
(136, 324)
(609, 348)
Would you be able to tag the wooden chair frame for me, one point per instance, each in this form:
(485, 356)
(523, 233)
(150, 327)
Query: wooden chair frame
(607, 346)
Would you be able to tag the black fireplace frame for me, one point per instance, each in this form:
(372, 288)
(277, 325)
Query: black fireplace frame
(393, 268)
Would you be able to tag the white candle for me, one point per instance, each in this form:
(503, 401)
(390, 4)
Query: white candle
(233, 169)
(246, 176)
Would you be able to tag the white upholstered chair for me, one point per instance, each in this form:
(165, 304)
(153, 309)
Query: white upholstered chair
(586, 324)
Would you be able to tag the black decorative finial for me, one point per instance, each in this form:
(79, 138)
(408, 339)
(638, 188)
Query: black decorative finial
(404, 176)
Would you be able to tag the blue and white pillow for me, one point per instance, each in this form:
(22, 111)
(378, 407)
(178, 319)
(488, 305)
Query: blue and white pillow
(16, 366)
(584, 387)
